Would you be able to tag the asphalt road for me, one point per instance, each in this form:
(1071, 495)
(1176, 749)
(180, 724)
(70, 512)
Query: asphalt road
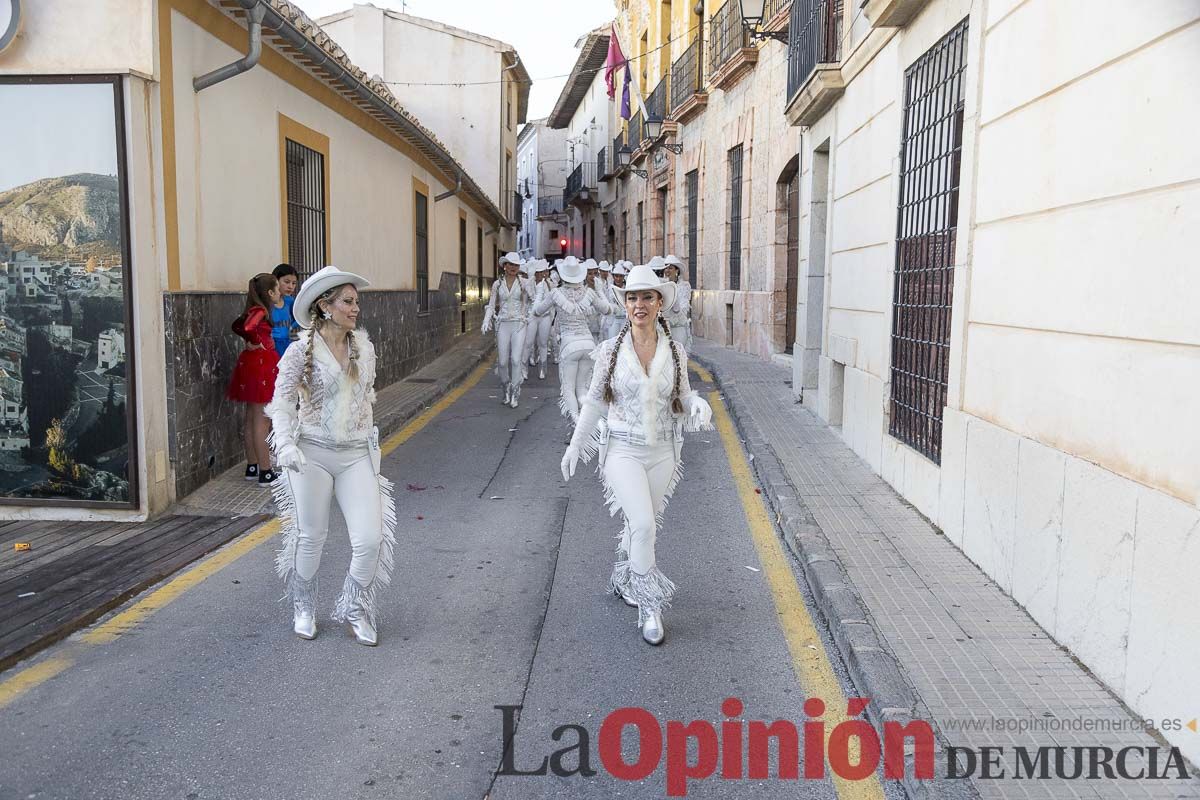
(498, 600)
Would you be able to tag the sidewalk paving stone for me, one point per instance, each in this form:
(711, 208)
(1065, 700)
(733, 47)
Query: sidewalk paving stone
(965, 649)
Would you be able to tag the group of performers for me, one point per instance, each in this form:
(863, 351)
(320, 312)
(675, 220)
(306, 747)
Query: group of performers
(619, 334)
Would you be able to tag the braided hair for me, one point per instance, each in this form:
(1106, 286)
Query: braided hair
(676, 403)
(317, 322)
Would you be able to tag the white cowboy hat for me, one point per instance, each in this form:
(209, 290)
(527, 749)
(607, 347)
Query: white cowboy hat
(657, 263)
(318, 284)
(511, 258)
(590, 263)
(620, 269)
(571, 270)
(642, 277)
(674, 261)
(539, 264)
(605, 266)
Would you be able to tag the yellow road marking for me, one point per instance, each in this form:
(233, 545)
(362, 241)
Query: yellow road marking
(411, 429)
(111, 629)
(704, 374)
(26, 679)
(128, 619)
(809, 659)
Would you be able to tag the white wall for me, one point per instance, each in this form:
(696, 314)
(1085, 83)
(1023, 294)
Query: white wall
(1068, 454)
(81, 37)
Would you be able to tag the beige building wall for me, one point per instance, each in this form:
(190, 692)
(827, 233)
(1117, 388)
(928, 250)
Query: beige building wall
(228, 140)
(93, 36)
(1068, 471)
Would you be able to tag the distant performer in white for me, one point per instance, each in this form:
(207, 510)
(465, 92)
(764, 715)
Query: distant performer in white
(574, 305)
(509, 307)
(679, 315)
(641, 388)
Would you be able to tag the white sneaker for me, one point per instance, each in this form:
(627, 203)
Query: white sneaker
(542, 372)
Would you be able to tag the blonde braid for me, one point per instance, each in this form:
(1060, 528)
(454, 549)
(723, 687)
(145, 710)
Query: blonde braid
(352, 346)
(676, 403)
(612, 363)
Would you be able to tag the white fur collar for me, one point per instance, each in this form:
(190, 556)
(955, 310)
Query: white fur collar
(651, 382)
(322, 353)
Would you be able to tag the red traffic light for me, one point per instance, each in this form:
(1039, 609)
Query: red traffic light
(562, 243)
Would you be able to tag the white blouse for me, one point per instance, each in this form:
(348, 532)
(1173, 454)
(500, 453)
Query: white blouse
(336, 409)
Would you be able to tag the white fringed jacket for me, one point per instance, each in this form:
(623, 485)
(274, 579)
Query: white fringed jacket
(641, 412)
(575, 302)
(336, 410)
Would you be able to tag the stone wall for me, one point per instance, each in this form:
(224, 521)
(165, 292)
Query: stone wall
(205, 429)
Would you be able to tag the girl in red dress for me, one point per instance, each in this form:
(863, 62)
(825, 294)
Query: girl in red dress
(253, 381)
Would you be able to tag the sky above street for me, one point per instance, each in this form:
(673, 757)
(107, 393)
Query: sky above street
(543, 31)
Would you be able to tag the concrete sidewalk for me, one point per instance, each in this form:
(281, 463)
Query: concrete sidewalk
(925, 634)
(395, 405)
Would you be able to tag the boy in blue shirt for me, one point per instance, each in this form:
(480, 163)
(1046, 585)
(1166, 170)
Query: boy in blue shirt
(283, 323)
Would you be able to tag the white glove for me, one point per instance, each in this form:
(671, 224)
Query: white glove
(570, 461)
(290, 457)
(487, 322)
(699, 412)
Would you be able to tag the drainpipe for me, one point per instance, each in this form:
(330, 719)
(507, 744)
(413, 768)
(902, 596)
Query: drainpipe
(457, 188)
(253, 53)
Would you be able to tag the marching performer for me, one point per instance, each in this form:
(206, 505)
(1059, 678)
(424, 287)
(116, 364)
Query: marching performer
(640, 388)
(540, 325)
(679, 315)
(528, 272)
(325, 439)
(618, 318)
(512, 298)
(573, 303)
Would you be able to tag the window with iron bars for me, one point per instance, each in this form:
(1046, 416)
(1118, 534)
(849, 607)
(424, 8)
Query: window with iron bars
(307, 248)
(693, 201)
(421, 237)
(641, 223)
(462, 261)
(926, 232)
(479, 259)
(735, 218)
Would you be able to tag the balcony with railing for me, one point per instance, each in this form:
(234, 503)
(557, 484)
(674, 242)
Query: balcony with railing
(617, 143)
(581, 185)
(633, 136)
(730, 55)
(775, 15)
(688, 97)
(658, 104)
(814, 59)
(604, 164)
(550, 206)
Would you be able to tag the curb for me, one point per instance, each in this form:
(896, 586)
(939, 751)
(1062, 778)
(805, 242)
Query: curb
(873, 670)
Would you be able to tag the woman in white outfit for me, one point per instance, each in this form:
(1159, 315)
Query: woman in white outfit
(528, 271)
(618, 318)
(324, 437)
(512, 298)
(540, 324)
(573, 303)
(680, 313)
(640, 388)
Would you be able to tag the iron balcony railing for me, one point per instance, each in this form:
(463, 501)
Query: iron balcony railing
(549, 206)
(634, 135)
(685, 75)
(727, 35)
(814, 37)
(658, 103)
(518, 208)
(772, 7)
(602, 164)
(618, 143)
(582, 179)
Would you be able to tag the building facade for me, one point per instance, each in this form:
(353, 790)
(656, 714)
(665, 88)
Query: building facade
(541, 178)
(477, 116)
(977, 253)
(301, 158)
(584, 111)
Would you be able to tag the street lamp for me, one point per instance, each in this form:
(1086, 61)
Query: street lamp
(652, 127)
(624, 155)
(752, 21)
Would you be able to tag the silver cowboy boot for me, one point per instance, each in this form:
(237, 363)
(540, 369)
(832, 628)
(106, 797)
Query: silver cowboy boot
(304, 603)
(651, 623)
(356, 607)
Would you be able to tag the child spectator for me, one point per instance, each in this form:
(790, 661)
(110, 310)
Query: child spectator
(283, 323)
(253, 381)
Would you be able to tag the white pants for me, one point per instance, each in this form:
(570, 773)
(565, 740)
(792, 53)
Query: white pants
(683, 335)
(305, 499)
(510, 351)
(639, 479)
(542, 339)
(574, 378)
(614, 326)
